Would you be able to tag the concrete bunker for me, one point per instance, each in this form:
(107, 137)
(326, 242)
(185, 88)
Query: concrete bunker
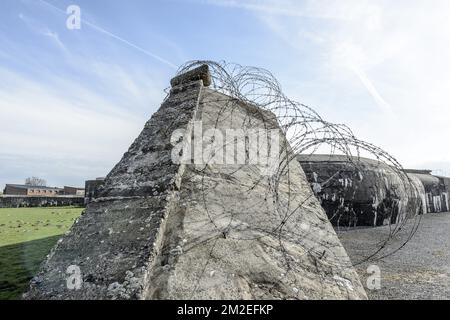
(362, 192)
(161, 230)
(436, 189)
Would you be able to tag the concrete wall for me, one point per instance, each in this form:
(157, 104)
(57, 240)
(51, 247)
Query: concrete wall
(27, 201)
(361, 192)
(367, 193)
(436, 192)
(162, 230)
(92, 189)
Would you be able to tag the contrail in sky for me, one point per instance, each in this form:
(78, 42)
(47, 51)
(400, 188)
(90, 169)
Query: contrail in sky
(371, 89)
(112, 35)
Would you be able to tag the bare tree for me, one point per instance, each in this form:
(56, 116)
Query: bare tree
(35, 181)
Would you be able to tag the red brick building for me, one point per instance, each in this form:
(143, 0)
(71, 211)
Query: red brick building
(25, 190)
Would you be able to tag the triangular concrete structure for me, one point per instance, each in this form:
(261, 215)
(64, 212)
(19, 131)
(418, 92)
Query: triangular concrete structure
(161, 230)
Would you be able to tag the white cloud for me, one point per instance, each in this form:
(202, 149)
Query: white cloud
(319, 9)
(69, 114)
(393, 52)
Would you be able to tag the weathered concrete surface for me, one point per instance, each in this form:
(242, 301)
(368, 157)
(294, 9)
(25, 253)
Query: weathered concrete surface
(419, 271)
(200, 73)
(362, 192)
(226, 233)
(166, 231)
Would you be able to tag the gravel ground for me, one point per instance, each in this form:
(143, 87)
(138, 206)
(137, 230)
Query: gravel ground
(420, 270)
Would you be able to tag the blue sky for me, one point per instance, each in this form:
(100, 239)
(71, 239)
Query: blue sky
(72, 101)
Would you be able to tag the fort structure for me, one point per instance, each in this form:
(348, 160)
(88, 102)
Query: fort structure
(436, 190)
(356, 191)
(162, 229)
(360, 191)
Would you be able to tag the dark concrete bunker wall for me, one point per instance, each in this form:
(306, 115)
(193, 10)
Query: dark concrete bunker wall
(436, 188)
(369, 193)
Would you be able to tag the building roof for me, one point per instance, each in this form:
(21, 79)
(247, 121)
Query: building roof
(427, 179)
(424, 174)
(419, 171)
(337, 158)
(24, 186)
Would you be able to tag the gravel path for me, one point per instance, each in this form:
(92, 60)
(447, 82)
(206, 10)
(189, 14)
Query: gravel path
(420, 270)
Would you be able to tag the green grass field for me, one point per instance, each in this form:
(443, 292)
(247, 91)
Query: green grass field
(26, 237)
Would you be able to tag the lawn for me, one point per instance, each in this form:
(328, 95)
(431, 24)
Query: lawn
(26, 237)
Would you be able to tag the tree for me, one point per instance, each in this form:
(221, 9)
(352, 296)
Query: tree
(35, 181)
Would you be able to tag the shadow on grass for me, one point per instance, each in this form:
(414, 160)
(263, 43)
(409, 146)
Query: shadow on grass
(19, 263)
